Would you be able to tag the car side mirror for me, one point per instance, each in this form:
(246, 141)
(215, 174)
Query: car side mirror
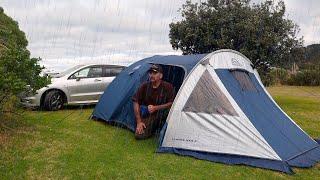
(80, 77)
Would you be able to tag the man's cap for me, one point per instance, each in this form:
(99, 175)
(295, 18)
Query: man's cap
(155, 68)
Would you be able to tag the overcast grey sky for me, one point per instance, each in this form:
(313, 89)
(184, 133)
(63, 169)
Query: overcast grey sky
(66, 32)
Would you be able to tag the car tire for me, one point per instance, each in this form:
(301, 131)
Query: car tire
(53, 101)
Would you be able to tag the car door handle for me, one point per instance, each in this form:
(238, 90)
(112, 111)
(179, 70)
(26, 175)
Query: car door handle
(97, 80)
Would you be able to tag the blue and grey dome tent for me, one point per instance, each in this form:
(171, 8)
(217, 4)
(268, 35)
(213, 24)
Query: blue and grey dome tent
(221, 113)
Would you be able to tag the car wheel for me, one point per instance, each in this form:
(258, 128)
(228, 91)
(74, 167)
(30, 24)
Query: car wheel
(53, 101)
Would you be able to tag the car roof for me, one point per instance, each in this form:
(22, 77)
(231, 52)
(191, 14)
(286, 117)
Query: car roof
(110, 65)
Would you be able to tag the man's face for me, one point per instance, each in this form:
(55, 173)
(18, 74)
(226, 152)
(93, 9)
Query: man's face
(155, 76)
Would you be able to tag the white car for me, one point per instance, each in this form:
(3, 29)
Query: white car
(82, 84)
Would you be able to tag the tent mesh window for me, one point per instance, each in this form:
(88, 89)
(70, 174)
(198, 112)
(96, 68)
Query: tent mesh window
(207, 97)
(244, 80)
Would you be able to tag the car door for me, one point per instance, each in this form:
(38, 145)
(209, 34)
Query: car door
(85, 85)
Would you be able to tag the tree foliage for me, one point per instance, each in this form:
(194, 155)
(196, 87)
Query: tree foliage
(259, 31)
(312, 54)
(17, 69)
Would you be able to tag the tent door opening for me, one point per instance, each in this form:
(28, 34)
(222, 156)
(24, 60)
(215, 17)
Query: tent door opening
(174, 75)
(171, 74)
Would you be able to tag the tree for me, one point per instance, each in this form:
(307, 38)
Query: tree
(259, 31)
(17, 69)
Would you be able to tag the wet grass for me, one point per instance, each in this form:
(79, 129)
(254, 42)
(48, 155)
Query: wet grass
(66, 145)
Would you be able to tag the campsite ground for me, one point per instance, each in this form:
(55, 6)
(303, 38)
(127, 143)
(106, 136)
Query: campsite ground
(65, 144)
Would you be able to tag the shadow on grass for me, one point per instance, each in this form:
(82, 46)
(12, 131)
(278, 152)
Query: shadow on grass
(66, 107)
(11, 121)
(75, 107)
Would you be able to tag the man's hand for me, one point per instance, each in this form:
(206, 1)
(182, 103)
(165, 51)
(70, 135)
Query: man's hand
(152, 109)
(140, 128)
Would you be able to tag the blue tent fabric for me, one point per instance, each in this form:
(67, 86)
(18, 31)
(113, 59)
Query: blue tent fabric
(306, 159)
(292, 145)
(115, 104)
(288, 141)
(231, 159)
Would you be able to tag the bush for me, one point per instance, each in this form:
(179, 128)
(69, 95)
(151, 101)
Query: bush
(275, 76)
(17, 69)
(305, 78)
(8, 106)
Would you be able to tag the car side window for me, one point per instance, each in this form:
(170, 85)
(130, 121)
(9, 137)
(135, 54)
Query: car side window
(95, 72)
(89, 72)
(112, 71)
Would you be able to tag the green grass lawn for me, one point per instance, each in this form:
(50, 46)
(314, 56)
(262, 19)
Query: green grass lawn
(65, 144)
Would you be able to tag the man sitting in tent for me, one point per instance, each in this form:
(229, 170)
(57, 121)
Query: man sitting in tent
(151, 103)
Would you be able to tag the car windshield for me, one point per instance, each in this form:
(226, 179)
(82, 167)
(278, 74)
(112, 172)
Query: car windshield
(67, 71)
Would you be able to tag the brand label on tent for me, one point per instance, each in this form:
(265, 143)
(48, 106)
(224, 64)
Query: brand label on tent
(236, 62)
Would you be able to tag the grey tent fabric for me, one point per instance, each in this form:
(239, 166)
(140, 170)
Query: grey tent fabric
(206, 97)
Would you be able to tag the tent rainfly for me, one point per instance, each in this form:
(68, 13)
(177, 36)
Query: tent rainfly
(221, 113)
